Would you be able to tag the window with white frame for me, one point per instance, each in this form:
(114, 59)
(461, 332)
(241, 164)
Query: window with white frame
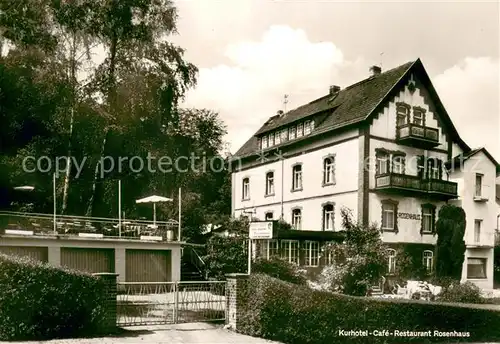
(428, 260)
(300, 130)
(433, 167)
(402, 113)
(297, 177)
(418, 117)
(330, 258)
(246, 188)
(391, 254)
(307, 127)
(290, 251)
(328, 217)
(398, 164)
(271, 139)
(277, 137)
(269, 216)
(269, 183)
(476, 268)
(312, 125)
(284, 135)
(382, 163)
(265, 142)
(477, 230)
(297, 218)
(269, 249)
(329, 170)
(389, 213)
(292, 133)
(479, 186)
(428, 218)
(311, 253)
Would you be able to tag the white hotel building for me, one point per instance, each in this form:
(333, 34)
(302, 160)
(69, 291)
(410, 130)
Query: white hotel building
(385, 148)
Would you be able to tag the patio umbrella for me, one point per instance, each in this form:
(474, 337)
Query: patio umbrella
(24, 188)
(154, 199)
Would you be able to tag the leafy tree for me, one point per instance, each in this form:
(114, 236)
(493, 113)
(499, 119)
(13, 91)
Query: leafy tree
(127, 106)
(450, 246)
(360, 260)
(228, 254)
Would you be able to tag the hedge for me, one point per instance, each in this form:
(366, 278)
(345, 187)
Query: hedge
(292, 314)
(38, 301)
(280, 269)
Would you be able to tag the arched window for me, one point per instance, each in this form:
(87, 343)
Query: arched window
(297, 218)
(391, 254)
(329, 170)
(269, 183)
(297, 177)
(428, 257)
(328, 217)
(245, 192)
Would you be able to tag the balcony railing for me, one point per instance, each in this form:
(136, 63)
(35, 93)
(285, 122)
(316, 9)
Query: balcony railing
(442, 187)
(66, 225)
(418, 135)
(395, 181)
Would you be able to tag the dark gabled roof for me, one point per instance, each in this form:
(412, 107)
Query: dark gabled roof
(461, 158)
(351, 105)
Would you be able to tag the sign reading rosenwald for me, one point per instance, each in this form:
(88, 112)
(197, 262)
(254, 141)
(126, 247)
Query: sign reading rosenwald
(261, 230)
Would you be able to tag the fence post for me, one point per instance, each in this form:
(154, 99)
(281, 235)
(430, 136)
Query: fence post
(110, 300)
(176, 302)
(236, 285)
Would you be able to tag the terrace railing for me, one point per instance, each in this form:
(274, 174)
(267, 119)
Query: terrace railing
(43, 224)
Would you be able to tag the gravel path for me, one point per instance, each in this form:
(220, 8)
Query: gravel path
(172, 334)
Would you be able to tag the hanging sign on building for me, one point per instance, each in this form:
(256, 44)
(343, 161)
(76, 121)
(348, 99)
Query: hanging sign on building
(261, 230)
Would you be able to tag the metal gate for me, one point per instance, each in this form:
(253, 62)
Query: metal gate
(153, 303)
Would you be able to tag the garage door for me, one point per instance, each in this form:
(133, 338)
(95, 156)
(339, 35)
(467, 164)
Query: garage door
(91, 260)
(36, 253)
(148, 266)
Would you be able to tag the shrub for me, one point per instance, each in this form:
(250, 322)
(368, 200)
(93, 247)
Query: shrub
(464, 293)
(38, 301)
(292, 314)
(226, 255)
(360, 261)
(280, 269)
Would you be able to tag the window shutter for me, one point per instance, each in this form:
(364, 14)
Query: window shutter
(440, 168)
(422, 219)
(396, 230)
(433, 220)
(420, 166)
(334, 179)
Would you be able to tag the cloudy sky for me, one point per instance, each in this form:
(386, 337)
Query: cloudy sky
(252, 52)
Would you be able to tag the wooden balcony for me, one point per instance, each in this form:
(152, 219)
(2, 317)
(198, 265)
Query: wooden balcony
(415, 186)
(418, 136)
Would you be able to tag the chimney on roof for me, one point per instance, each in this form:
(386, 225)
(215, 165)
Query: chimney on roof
(334, 89)
(375, 70)
(280, 113)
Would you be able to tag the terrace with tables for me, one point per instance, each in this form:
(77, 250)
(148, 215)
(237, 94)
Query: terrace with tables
(19, 223)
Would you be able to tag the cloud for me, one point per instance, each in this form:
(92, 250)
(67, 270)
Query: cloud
(470, 91)
(251, 88)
